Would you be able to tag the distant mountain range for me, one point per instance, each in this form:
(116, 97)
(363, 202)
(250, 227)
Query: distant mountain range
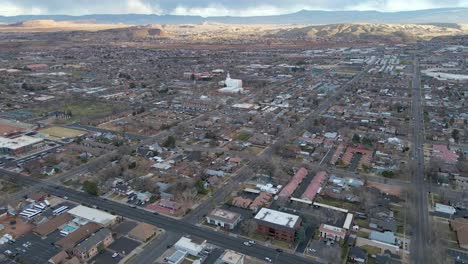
(443, 15)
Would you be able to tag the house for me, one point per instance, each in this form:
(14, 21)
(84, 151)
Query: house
(276, 224)
(357, 255)
(383, 224)
(381, 212)
(90, 247)
(460, 226)
(262, 200)
(49, 171)
(384, 237)
(214, 173)
(223, 218)
(332, 232)
(143, 196)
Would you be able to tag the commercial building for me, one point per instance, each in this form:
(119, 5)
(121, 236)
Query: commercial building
(332, 232)
(143, 232)
(279, 225)
(93, 215)
(18, 145)
(191, 246)
(232, 257)
(223, 218)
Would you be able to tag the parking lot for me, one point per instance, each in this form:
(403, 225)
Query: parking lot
(124, 245)
(123, 228)
(106, 258)
(32, 249)
(323, 250)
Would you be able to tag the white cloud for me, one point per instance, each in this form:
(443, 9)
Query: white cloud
(139, 7)
(211, 7)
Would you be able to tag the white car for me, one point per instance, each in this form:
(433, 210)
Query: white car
(252, 242)
(268, 259)
(115, 255)
(246, 244)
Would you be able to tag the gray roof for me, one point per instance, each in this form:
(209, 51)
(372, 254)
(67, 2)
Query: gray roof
(385, 237)
(93, 240)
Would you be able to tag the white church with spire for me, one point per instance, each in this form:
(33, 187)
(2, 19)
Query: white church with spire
(232, 85)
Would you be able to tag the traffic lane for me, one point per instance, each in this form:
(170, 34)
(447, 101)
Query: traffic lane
(175, 226)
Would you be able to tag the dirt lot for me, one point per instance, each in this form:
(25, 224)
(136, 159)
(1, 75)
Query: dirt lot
(18, 229)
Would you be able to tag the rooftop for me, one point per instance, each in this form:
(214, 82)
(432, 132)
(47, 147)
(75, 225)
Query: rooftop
(93, 240)
(277, 217)
(224, 215)
(19, 142)
(92, 215)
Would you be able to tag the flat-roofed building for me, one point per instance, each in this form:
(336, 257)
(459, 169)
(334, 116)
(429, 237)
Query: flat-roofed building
(276, 224)
(232, 257)
(18, 145)
(93, 215)
(223, 218)
(332, 232)
(191, 246)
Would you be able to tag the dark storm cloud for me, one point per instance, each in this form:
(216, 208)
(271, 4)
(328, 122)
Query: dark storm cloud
(211, 7)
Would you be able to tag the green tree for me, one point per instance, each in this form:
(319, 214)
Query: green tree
(356, 139)
(170, 142)
(456, 135)
(200, 185)
(91, 188)
(388, 174)
(101, 247)
(300, 235)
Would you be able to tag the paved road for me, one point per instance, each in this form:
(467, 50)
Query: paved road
(420, 248)
(167, 223)
(156, 248)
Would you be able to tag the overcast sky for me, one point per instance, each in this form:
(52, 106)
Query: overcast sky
(211, 7)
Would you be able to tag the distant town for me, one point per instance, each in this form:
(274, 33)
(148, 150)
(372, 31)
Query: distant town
(178, 144)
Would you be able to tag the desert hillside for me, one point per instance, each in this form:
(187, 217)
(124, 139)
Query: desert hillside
(396, 32)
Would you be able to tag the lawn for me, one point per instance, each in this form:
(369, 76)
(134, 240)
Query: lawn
(243, 137)
(79, 109)
(61, 132)
(361, 222)
(371, 250)
(280, 243)
(338, 203)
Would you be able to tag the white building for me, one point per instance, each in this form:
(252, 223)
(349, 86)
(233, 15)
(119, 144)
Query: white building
(446, 209)
(93, 215)
(232, 85)
(190, 246)
(223, 218)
